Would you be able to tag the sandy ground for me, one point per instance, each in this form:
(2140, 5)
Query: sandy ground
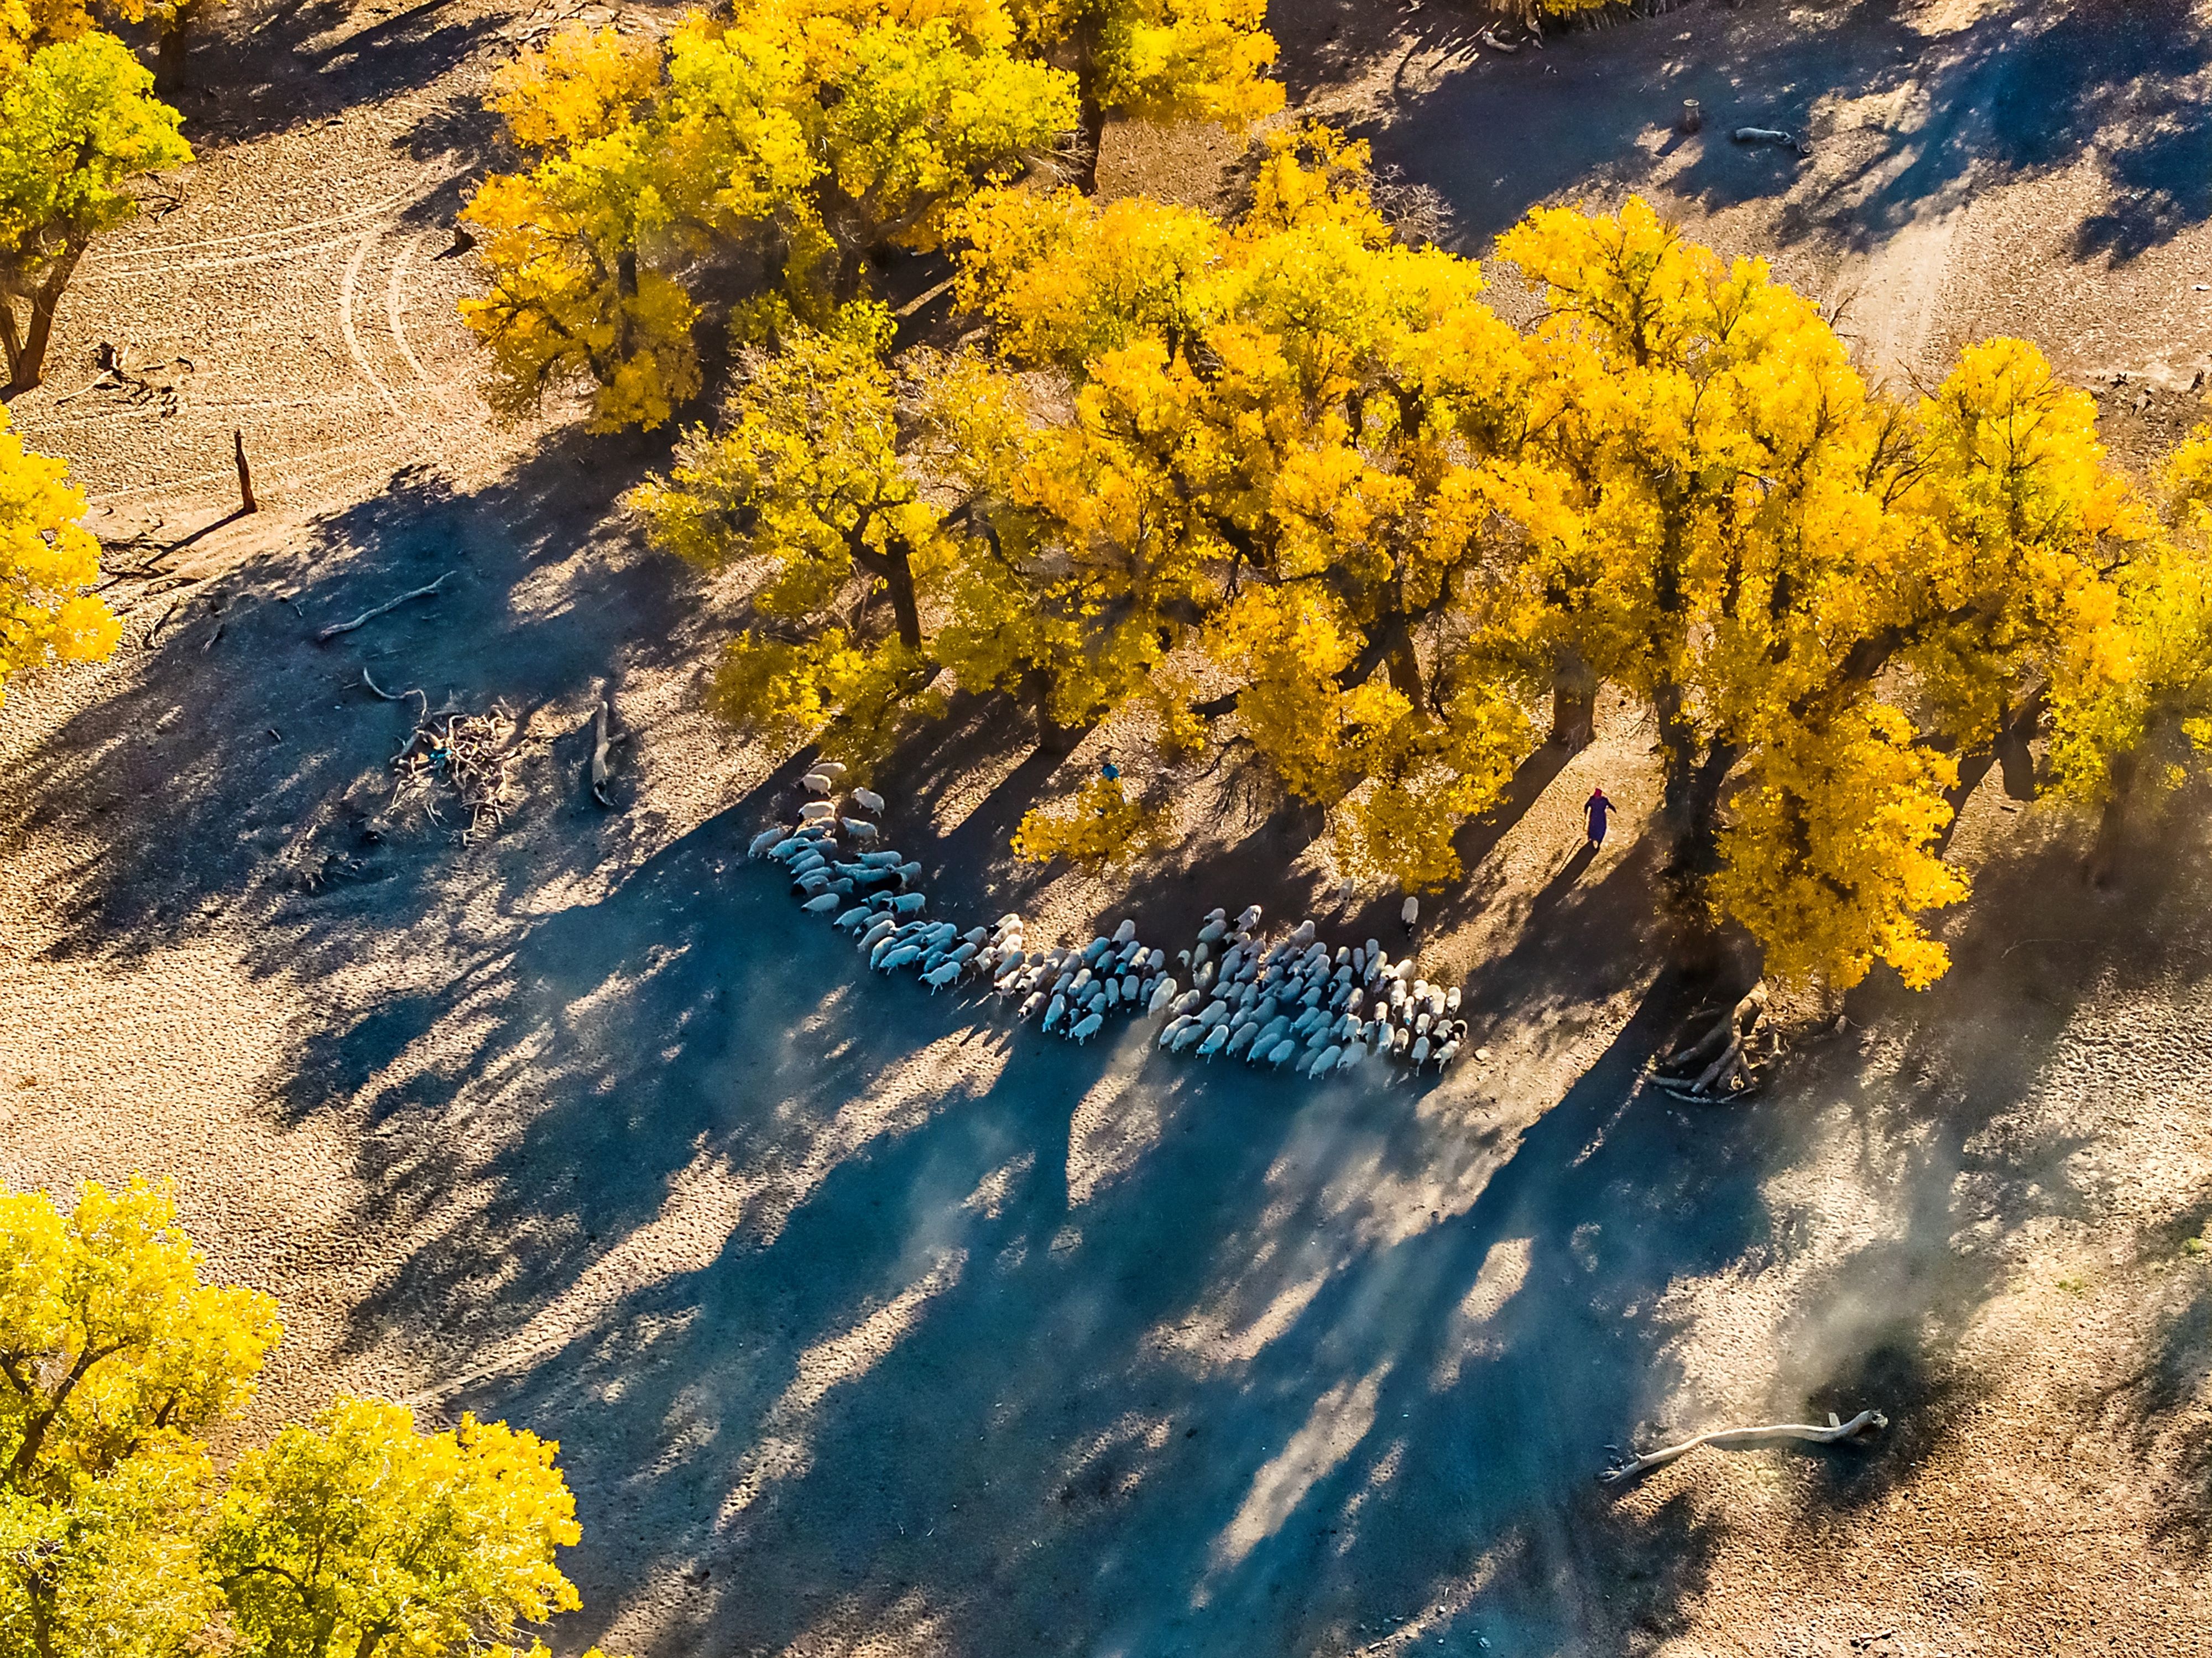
(870, 1324)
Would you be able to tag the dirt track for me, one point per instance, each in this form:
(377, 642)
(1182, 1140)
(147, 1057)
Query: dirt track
(869, 1325)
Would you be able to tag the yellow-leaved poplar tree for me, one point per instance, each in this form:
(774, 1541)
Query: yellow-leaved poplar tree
(78, 121)
(48, 560)
(762, 160)
(358, 1536)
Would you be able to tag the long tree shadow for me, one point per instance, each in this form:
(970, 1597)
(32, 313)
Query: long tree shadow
(214, 791)
(2022, 91)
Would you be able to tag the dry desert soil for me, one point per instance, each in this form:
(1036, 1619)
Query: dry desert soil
(870, 1323)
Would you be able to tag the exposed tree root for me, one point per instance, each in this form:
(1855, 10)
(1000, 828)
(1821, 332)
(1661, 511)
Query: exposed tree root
(1866, 1422)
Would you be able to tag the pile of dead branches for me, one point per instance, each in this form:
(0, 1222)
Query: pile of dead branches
(466, 754)
(1730, 1059)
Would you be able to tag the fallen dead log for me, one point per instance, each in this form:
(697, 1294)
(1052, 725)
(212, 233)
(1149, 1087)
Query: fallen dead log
(1866, 1422)
(1771, 135)
(602, 717)
(324, 636)
(1719, 1057)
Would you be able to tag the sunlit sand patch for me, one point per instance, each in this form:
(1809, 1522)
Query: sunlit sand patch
(1505, 1269)
(1378, 1477)
(1132, 1431)
(1114, 1124)
(1338, 1422)
(1734, 1329)
(784, 1449)
(991, 1193)
(1216, 1338)
(910, 1627)
(707, 1199)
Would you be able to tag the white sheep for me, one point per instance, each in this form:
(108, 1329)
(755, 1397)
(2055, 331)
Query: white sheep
(1354, 1054)
(1088, 1028)
(942, 974)
(831, 768)
(909, 903)
(869, 801)
(822, 905)
(1410, 911)
(1124, 932)
(815, 812)
(1187, 1037)
(1216, 1040)
(1163, 994)
(851, 920)
(1421, 1054)
(815, 783)
(1029, 1007)
(899, 957)
(1056, 1012)
(762, 841)
(1280, 1055)
(1327, 1062)
(880, 859)
(860, 829)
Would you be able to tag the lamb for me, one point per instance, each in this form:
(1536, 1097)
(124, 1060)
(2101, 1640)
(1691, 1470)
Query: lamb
(869, 801)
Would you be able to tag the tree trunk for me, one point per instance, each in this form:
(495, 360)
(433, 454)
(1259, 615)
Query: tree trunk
(1052, 736)
(27, 359)
(904, 606)
(169, 63)
(1090, 114)
(1574, 701)
(2104, 861)
(245, 501)
(1405, 665)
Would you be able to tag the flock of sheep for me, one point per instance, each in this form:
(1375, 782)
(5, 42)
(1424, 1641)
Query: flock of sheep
(1292, 1002)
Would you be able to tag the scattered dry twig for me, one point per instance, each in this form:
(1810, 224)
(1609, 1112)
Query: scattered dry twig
(324, 636)
(423, 712)
(1866, 1422)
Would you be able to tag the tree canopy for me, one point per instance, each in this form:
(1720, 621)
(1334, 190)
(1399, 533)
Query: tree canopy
(356, 1536)
(47, 559)
(1304, 455)
(759, 164)
(78, 120)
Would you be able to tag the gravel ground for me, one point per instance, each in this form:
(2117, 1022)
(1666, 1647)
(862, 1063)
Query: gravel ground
(872, 1325)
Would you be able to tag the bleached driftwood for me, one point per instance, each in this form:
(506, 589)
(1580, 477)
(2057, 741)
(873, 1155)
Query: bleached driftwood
(1866, 1422)
(324, 636)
